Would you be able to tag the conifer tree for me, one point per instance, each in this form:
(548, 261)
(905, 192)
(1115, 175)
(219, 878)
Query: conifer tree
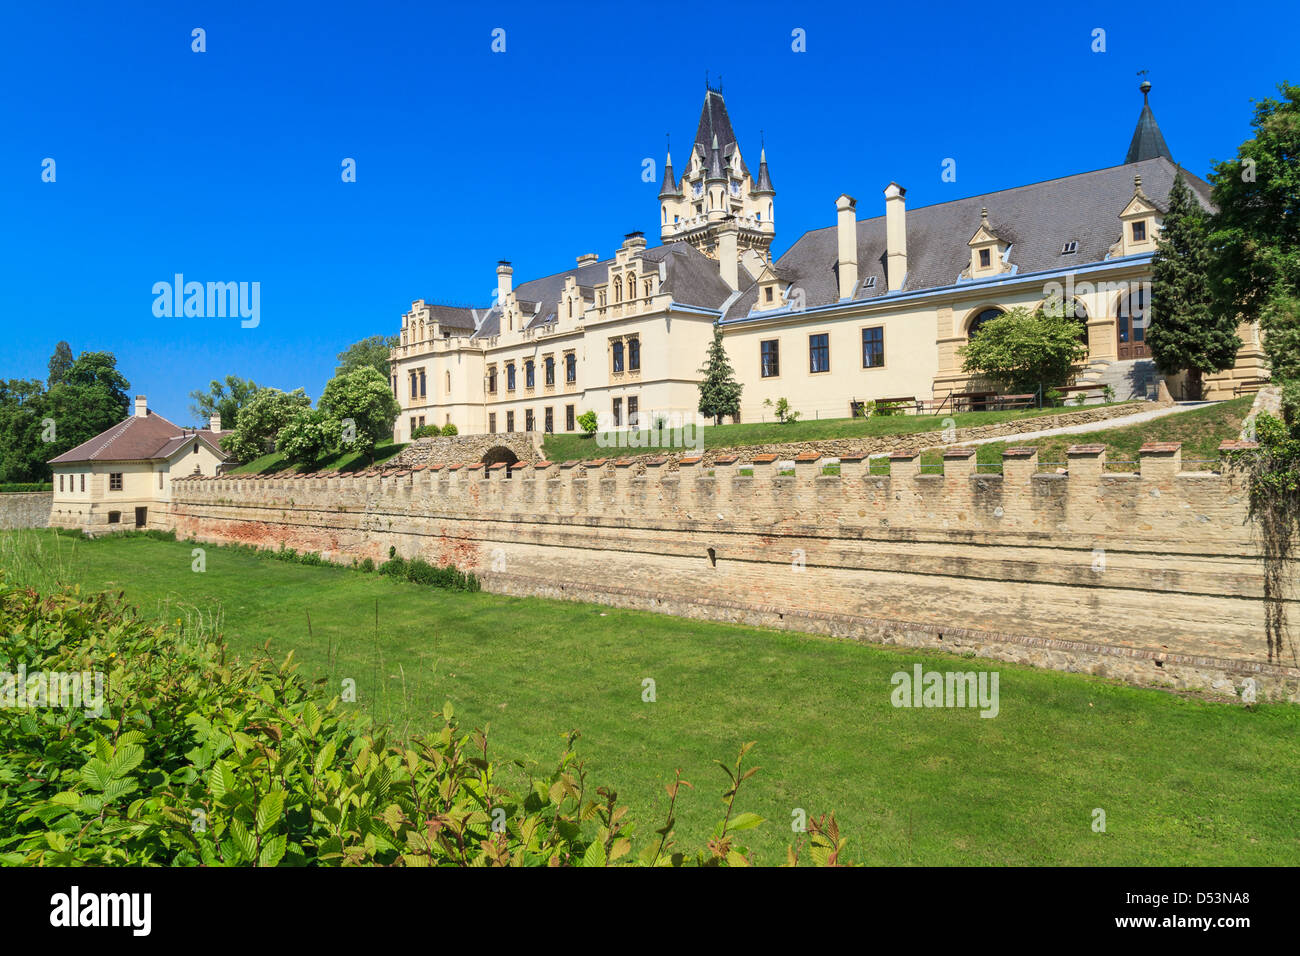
(1186, 332)
(719, 392)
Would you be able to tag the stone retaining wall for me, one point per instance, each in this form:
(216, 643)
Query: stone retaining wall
(26, 509)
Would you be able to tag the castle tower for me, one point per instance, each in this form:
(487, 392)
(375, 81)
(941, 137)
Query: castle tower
(716, 191)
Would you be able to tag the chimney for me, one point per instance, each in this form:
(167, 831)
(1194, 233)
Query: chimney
(141, 406)
(895, 236)
(634, 240)
(729, 254)
(587, 258)
(847, 234)
(214, 423)
(504, 272)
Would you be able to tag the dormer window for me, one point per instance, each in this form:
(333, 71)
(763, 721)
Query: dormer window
(769, 294)
(1069, 248)
(1140, 231)
(870, 283)
(986, 258)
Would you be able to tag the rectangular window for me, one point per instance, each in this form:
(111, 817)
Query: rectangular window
(568, 418)
(1139, 231)
(530, 374)
(873, 347)
(770, 358)
(423, 384)
(769, 293)
(986, 259)
(492, 423)
(510, 378)
(529, 424)
(421, 421)
(550, 419)
(83, 482)
(60, 482)
(492, 380)
(414, 385)
(570, 368)
(115, 481)
(634, 354)
(160, 474)
(632, 418)
(618, 355)
(510, 421)
(550, 370)
(414, 426)
(819, 352)
(618, 412)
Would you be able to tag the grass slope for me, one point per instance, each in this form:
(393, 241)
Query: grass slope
(1182, 780)
(341, 461)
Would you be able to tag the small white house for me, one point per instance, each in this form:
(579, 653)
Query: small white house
(110, 482)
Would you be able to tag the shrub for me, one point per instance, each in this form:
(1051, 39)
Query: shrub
(449, 430)
(394, 567)
(426, 431)
(1022, 350)
(368, 565)
(200, 760)
(588, 422)
(18, 487)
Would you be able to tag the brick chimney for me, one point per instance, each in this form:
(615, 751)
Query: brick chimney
(214, 423)
(895, 236)
(141, 406)
(847, 233)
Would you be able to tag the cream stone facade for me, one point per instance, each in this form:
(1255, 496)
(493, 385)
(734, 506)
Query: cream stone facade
(118, 479)
(864, 310)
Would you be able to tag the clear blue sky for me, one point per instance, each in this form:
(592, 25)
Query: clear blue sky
(225, 165)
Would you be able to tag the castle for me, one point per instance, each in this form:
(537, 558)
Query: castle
(866, 309)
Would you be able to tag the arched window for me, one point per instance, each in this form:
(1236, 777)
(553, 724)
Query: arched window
(985, 316)
(618, 288)
(570, 308)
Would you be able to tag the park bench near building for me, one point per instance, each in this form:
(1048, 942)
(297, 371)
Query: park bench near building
(1003, 403)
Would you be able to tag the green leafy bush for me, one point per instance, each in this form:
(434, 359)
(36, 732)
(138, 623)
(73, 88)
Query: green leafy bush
(427, 431)
(449, 430)
(198, 759)
(588, 422)
(18, 487)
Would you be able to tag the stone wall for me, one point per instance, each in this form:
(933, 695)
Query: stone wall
(1151, 577)
(526, 446)
(25, 509)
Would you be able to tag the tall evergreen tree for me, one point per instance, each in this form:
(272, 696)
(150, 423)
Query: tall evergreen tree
(719, 392)
(1186, 332)
(60, 364)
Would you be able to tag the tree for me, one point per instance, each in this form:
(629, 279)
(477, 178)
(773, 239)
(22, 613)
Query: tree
(224, 399)
(1186, 332)
(372, 352)
(90, 398)
(361, 405)
(260, 421)
(306, 437)
(1022, 350)
(60, 363)
(719, 391)
(23, 452)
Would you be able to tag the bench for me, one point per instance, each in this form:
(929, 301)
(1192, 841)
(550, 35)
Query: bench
(1009, 402)
(885, 406)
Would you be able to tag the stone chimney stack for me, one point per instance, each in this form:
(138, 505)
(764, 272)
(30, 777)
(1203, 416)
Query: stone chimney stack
(729, 254)
(504, 272)
(847, 234)
(141, 406)
(895, 236)
(214, 423)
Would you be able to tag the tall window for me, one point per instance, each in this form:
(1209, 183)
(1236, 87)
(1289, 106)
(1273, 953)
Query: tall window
(632, 418)
(449, 381)
(492, 423)
(1133, 318)
(549, 419)
(618, 356)
(492, 380)
(770, 358)
(530, 374)
(529, 423)
(510, 377)
(568, 418)
(423, 392)
(415, 383)
(819, 352)
(510, 421)
(873, 347)
(60, 482)
(571, 368)
(413, 425)
(634, 354)
(83, 481)
(550, 370)
(618, 412)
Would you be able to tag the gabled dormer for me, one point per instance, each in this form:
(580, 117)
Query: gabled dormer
(771, 289)
(988, 251)
(1140, 224)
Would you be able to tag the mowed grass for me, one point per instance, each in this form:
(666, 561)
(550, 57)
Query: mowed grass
(274, 462)
(575, 447)
(1181, 780)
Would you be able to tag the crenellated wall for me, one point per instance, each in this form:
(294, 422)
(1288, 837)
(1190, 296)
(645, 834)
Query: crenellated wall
(1152, 577)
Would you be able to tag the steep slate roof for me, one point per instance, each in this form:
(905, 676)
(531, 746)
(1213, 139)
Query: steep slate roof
(1148, 142)
(1037, 220)
(139, 439)
(714, 121)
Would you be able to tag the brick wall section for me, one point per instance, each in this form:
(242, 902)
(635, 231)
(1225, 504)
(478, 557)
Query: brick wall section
(1150, 577)
(527, 446)
(25, 509)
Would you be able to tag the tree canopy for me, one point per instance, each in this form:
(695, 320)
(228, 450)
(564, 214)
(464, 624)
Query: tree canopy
(1021, 350)
(223, 397)
(372, 352)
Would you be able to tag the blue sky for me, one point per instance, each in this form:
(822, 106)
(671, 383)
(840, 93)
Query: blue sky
(225, 165)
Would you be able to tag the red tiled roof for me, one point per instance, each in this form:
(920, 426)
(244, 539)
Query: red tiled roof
(139, 438)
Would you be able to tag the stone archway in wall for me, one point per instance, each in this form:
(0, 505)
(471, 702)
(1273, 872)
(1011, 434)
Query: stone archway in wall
(500, 453)
(462, 449)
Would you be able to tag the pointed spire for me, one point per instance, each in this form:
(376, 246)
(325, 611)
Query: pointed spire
(715, 161)
(764, 185)
(669, 189)
(1148, 142)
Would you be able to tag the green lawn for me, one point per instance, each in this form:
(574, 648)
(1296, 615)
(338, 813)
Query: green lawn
(1182, 780)
(567, 447)
(342, 461)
